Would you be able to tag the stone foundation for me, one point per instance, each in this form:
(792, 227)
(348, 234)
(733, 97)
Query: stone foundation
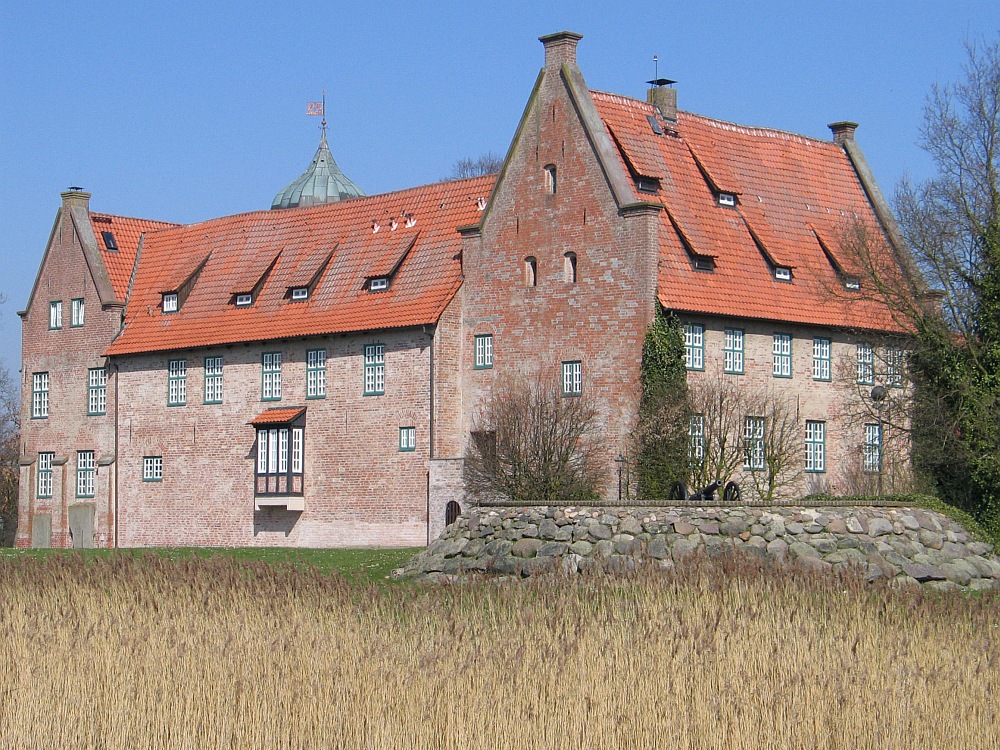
(907, 545)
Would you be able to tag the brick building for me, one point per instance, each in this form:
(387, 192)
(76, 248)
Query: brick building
(309, 375)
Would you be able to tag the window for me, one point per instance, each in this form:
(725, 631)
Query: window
(244, 300)
(821, 359)
(572, 378)
(316, 373)
(280, 460)
(484, 351)
(754, 458)
(109, 241)
(727, 199)
(300, 293)
(374, 369)
(815, 446)
(76, 313)
(569, 260)
(782, 360)
(177, 382)
(55, 315)
(270, 377)
(213, 380)
(530, 271)
(866, 364)
(378, 285)
(872, 455)
(152, 468)
(169, 303)
(696, 439)
(407, 438)
(550, 179)
(853, 283)
(86, 472)
(694, 347)
(733, 351)
(704, 264)
(782, 273)
(894, 364)
(39, 395)
(97, 391)
(44, 482)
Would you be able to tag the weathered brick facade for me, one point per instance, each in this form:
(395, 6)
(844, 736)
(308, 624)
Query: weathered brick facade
(605, 208)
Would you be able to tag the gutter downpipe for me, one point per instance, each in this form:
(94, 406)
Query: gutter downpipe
(114, 511)
(430, 434)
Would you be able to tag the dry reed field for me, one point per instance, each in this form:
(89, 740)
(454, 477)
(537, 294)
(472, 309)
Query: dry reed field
(142, 652)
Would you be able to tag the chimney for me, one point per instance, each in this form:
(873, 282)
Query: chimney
(665, 99)
(76, 196)
(843, 131)
(560, 48)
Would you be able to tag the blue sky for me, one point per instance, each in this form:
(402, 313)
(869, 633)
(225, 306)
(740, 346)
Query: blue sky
(185, 111)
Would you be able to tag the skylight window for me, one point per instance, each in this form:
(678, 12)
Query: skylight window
(244, 300)
(781, 273)
(727, 199)
(300, 293)
(379, 284)
(109, 241)
(170, 302)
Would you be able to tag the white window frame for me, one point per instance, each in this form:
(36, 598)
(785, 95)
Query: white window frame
(170, 302)
(407, 438)
(270, 376)
(815, 446)
(379, 284)
(696, 439)
(572, 378)
(872, 454)
(866, 364)
(374, 369)
(782, 273)
(754, 455)
(43, 479)
(484, 351)
(55, 315)
(39, 395)
(822, 349)
(213, 380)
(316, 373)
(244, 300)
(694, 346)
(733, 353)
(77, 311)
(152, 468)
(177, 382)
(300, 293)
(86, 474)
(727, 199)
(895, 367)
(280, 451)
(97, 391)
(781, 366)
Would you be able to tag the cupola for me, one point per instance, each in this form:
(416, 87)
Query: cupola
(322, 182)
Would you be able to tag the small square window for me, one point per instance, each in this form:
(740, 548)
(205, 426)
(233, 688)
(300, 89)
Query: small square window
(727, 199)
(852, 283)
(169, 303)
(152, 468)
(484, 351)
(76, 313)
(378, 285)
(244, 300)
(572, 378)
(300, 293)
(781, 273)
(407, 438)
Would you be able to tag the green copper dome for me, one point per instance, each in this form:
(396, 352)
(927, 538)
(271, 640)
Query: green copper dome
(322, 182)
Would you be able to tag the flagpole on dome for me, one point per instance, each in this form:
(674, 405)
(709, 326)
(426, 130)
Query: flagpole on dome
(318, 109)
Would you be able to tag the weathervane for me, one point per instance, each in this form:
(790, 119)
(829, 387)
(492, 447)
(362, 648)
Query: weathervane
(318, 109)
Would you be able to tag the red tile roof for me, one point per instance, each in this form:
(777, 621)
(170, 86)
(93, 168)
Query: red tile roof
(278, 415)
(238, 246)
(795, 196)
(127, 232)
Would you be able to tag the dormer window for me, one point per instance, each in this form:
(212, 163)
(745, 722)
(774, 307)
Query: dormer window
(727, 199)
(704, 264)
(300, 293)
(550, 179)
(170, 302)
(852, 283)
(782, 273)
(379, 284)
(647, 184)
(244, 300)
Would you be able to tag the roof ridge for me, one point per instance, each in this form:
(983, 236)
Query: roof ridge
(136, 218)
(755, 130)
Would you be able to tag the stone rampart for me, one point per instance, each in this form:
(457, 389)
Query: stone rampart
(907, 545)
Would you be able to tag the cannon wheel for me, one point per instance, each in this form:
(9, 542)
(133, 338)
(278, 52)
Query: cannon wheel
(732, 493)
(678, 492)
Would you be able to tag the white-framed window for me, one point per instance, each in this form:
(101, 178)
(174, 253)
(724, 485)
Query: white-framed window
(821, 359)
(754, 457)
(300, 293)
(170, 302)
(97, 391)
(895, 363)
(39, 395)
(316, 373)
(407, 438)
(484, 351)
(270, 376)
(55, 315)
(86, 474)
(213, 380)
(379, 284)
(152, 468)
(733, 351)
(694, 346)
(43, 486)
(280, 460)
(244, 300)
(872, 455)
(727, 199)
(782, 359)
(176, 382)
(782, 273)
(696, 439)
(572, 378)
(76, 313)
(815, 446)
(374, 369)
(866, 364)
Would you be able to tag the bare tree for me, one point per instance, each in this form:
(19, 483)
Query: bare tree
(10, 439)
(532, 445)
(488, 163)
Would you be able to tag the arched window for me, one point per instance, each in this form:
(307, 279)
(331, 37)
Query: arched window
(570, 267)
(451, 512)
(550, 178)
(530, 271)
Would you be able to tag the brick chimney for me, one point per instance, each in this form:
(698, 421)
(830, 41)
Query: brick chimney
(75, 196)
(665, 99)
(560, 48)
(843, 131)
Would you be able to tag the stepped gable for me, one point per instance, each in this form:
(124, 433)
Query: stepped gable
(331, 248)
(794, 195)
(126, 233)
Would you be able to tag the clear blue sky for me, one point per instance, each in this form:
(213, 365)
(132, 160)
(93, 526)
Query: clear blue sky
(185, 111)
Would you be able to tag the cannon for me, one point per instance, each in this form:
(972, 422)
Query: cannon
(731, 493)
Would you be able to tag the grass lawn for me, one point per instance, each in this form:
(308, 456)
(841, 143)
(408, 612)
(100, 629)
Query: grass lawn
(357, 564)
